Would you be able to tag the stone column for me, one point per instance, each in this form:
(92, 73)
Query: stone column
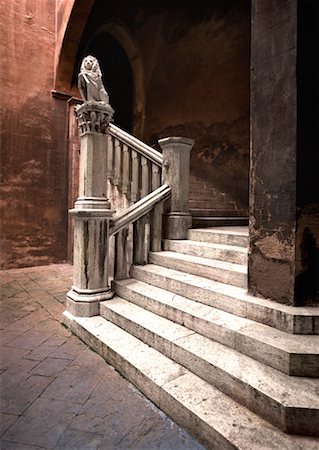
(91, 214)
(176, 157)
(284, 226)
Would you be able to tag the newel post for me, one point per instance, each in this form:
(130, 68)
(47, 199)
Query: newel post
(92, 212)
(176, 157)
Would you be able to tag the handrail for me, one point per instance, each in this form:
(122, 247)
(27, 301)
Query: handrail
(142, 148)
(139, 209)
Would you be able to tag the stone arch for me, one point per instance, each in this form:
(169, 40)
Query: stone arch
(71, 21)
(126, 41)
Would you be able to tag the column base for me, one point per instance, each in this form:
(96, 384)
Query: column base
(86, 305)
(177, 225)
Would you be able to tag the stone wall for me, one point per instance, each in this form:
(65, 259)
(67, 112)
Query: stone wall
(284, 216)
(195, 57)
(33, 160)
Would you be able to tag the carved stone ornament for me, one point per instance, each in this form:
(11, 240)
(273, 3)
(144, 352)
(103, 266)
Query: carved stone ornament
(96, 113)
(94, 117)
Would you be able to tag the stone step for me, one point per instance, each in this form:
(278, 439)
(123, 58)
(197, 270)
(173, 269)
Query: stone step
(211, 416)
(237, 236)
(208, 195)
(214, 212)
(290, 403)
(218, 221)
(211, 204)
(224, 272)
(229, 253)
(296, 355)
(232, 299)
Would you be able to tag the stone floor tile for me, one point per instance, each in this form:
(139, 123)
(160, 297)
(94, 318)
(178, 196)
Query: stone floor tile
(8, 316)
(50, 367)
(10, 289)
(47, 348)
(29, 321)
(17, 395)
(151, 434)
(70, 350)
(8, 335)
(6, 420)
(89, 359)
(7, 445)
(10, 356)
(49, 325)
(79, 440)
(74, 384)
(58, 393)
(43, 423)
(30, 339)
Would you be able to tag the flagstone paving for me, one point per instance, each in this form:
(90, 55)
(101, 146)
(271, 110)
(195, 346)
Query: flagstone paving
(55, 392)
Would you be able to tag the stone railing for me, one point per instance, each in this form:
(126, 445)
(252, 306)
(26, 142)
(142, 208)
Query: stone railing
(125, 188)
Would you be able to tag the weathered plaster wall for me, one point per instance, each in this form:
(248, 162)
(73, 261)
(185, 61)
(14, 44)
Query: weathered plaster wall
(284, 201)
(33, 162)
(195, 56)
(274, 146)
(71, 17)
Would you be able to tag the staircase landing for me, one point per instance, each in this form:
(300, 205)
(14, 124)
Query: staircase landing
(237, 371)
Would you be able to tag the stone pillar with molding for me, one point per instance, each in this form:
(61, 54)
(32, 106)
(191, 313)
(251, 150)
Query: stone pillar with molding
(176, 164)
(92, 213)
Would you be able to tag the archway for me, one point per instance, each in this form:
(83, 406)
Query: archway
(117, 75)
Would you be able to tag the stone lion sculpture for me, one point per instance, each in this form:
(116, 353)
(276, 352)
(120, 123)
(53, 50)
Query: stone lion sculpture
(90, 82)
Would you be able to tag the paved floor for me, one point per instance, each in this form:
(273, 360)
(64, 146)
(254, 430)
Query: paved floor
(55, 392)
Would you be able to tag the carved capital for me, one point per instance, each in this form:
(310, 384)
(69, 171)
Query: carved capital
(94, 117)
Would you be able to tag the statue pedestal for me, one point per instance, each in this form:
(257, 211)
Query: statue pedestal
(91, 214)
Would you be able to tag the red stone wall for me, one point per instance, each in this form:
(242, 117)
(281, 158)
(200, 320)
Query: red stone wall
(33, 161)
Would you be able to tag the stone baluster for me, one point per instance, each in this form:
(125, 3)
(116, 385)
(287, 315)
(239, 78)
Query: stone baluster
(110, 151)
(125, 172)
(92, 213)
(135, 177)
(156, 214)
(176, 157)
(117, 164)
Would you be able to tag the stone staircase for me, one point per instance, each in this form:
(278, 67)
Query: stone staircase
(237, 371)
(210, 207)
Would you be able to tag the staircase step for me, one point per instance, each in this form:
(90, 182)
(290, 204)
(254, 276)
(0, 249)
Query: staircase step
(292, 354)
(224, 272)
(290, 403)
(232, 299)
(212, 220)
(237, 236)
(208, 212)
(229, 253)
(193, 403)
(211, 204)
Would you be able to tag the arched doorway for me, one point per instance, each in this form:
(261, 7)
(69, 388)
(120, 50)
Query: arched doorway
(117, 75)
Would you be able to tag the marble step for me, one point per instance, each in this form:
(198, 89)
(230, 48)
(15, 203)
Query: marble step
(213, 269)
(231, 299)
(211, 203)
(211, 416)
(228, 253)
(212, 220)
(209, 197)
(296, 355)
(290, 403)
(211, 212)
(237, 236)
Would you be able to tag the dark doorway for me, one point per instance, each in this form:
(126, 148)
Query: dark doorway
(117, 76)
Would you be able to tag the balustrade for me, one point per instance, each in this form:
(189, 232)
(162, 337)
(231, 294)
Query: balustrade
(118, 215)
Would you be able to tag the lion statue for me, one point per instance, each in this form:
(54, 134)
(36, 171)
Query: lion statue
(90, 81)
